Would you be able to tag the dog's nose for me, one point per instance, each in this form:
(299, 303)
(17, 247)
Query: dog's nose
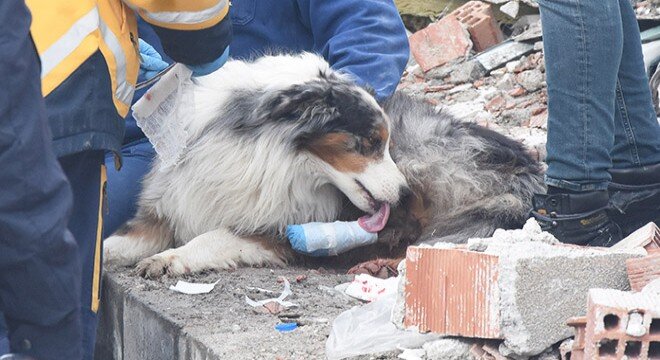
(404, 191)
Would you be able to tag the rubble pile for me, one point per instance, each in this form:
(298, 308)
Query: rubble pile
(465, 66)
(647, 9)
(520, 295)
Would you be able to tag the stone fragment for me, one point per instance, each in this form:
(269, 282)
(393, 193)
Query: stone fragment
(648, 237)
(448, 349)
(531, 80)
(468, 71)
(440, 43)
(539, 120)
(517, 91)
(511, 9)
(478, 19)
(499, 55)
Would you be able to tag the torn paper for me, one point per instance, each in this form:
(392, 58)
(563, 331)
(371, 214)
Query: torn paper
(185, 287)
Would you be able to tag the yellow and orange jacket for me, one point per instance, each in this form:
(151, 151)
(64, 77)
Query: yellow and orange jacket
(90, 60)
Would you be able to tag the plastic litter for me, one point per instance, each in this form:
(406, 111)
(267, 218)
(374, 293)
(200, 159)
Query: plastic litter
(185, 287)
(280, 299)
(367, 329)
(368, 288)
(160, 113)
(286, 327)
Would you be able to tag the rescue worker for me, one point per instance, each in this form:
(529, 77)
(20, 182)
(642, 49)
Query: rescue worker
(89, 66)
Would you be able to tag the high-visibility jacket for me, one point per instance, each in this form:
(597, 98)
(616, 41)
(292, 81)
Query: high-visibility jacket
(90, 59)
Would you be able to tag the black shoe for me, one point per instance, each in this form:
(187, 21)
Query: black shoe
(577, 218)
(635, 197)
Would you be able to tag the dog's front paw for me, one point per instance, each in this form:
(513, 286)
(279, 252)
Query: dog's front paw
(158, 265)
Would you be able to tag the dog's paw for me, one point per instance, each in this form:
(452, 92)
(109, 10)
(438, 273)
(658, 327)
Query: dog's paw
(380, 268)
(158, 265)
(116, 250)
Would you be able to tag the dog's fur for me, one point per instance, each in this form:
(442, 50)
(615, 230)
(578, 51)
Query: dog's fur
(286, 140)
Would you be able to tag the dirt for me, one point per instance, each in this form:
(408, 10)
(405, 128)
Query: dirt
(246, 334)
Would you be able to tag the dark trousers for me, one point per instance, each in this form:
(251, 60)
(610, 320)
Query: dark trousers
(39, 264)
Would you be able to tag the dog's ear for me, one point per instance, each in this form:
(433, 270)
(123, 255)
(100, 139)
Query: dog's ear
(309, 99)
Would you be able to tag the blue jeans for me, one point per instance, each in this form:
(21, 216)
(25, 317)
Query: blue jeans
(599, 103)
(124, 186)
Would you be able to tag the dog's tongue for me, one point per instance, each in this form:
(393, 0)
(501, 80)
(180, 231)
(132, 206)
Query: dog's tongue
(376, 222)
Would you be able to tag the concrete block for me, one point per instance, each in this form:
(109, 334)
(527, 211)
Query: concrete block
(478, 19)
(614, 321)
(521, 291)
(440, 43)
(643, 270)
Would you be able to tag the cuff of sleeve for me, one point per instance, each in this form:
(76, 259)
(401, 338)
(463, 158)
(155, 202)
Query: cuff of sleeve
(205, 69)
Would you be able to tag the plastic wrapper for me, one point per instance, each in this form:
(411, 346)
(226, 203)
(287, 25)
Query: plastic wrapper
(367, 329)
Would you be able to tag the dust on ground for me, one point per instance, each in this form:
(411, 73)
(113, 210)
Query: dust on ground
(238, 331)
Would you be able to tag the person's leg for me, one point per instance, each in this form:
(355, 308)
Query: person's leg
(39, 266)
(86, 173)
(124, 185)
(583, 43)
(635, 187)
(637, 132)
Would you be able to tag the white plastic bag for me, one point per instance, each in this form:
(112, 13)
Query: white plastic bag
(367, 329)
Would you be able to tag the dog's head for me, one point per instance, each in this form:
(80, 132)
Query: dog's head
(342, 126)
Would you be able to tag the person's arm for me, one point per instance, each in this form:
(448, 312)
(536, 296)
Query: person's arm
(195, 33)
(365, 38)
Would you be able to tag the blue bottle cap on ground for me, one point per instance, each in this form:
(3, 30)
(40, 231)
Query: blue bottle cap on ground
(286, 327)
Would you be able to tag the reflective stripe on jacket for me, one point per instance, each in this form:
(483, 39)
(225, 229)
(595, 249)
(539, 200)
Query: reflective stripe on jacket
(68, 32)
(90, 59)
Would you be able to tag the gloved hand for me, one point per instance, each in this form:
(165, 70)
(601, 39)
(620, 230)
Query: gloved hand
(151, 63)
(205, 69)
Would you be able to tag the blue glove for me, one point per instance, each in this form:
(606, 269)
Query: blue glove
(205, 69)
(151, 63)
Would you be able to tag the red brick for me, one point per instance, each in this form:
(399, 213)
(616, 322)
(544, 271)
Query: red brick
(608, 312)
(642, 271)
(495, 103)
(452, 292)
(478, 18)
(440, 43)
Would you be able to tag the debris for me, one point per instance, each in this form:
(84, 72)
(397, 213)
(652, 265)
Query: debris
(367, 329)
(652, 287)
(185, 287)
(478, 18)
(286, 327)
(518, 291)
(531, 80)
(413, 354)
(501, 54)
(527, 28)
(380, 268)
(643, 270)
(511, 9)
(648, 237)
(368, 288)
(606, 330)
(467, 71)
(448, 349)
(274, 305)
(440, 43)
(301, 278)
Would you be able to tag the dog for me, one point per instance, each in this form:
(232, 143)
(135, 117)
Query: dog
(287, 140)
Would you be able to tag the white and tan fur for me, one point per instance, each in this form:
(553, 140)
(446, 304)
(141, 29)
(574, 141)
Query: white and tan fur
(230, 191)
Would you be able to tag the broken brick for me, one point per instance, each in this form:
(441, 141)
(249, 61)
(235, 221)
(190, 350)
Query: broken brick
(517, 91)
(480, 22)
(539, 120)
(643, 270)
(440, 43)
(609, 322)
(648, 237)
(519, 292)
(495, 103)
